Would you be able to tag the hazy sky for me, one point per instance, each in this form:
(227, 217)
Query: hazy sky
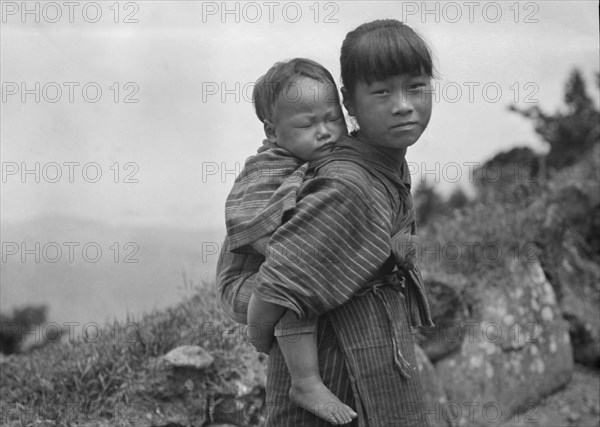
(190, 67)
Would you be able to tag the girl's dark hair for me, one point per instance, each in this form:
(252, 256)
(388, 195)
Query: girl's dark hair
(269, 87)
(380, 49)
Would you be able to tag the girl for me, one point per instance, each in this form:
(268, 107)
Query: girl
(365, 348)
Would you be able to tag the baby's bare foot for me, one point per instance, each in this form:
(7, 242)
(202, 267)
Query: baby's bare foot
(312, 395)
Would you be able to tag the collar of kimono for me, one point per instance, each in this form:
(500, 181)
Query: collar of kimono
(359, 150)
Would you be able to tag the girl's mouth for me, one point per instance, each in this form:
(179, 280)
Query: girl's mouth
(403, 125)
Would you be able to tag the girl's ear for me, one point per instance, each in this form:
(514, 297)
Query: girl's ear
(347, 102)
(270, 131)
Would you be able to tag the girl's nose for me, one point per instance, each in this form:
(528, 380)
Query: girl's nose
(401, 104)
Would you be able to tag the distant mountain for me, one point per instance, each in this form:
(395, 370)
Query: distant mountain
(87, 271)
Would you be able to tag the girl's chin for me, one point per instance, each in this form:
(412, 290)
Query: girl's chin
(394, 152)
(390, 144)
(398, 145)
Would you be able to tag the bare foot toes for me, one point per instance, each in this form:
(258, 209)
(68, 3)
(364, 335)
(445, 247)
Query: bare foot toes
(344, 414)
(312, 395)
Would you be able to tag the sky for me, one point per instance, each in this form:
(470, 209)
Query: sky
(139, 113)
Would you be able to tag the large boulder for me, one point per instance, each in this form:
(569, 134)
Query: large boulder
(578, 280)
(571, 265)
(516, 350)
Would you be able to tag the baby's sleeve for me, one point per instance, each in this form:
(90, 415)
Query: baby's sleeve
(236, 280)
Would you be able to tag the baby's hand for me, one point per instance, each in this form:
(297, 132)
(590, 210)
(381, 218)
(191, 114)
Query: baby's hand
(404, 248)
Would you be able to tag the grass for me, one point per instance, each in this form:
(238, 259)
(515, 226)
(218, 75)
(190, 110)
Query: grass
(120, 379)
(509, 224)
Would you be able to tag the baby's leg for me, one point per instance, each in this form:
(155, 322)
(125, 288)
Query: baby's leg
(298, 343)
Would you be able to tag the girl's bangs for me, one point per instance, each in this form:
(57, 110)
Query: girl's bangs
(386, 53)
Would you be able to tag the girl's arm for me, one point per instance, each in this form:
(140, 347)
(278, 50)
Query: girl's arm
(335, 243)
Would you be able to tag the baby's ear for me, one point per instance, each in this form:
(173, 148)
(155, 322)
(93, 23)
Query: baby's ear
(347, 103)
(270, 131)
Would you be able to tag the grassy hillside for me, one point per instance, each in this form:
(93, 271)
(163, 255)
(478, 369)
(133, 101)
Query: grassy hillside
(118, 378)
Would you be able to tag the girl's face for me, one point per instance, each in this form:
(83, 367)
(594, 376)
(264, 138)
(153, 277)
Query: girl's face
(391, 113)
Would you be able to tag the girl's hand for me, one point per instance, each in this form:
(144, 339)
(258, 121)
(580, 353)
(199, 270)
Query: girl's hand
(404, 248)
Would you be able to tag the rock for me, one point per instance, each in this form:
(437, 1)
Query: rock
(189, 356)
(567, 260)
(516, 351)
(255, 374)
(434, 396)
(445, 294)
(577, 279)
(573, 417)
(248, 410)
(220, 425)
(171, 425)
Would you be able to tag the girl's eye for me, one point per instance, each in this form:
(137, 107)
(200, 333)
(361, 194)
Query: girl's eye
(381, 92)
(416, 86)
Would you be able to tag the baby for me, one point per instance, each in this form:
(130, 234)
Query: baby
(298, 103)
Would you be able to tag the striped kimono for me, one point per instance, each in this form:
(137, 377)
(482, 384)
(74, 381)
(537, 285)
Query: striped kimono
(332, 258)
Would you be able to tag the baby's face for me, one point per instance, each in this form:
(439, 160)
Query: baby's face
(307, 119)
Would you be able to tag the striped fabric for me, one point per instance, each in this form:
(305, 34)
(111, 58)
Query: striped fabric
(340, 231)
(236, 280)
(335, 245)
(263, 192)
(361, 376)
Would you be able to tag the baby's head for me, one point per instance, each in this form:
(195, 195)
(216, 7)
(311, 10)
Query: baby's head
(298, 103)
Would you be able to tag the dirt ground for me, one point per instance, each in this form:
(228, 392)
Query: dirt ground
(578, 404)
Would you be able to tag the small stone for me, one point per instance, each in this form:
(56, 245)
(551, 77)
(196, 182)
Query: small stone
(189, 356)
(547, 314)
(241, 388)
(573, 417)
